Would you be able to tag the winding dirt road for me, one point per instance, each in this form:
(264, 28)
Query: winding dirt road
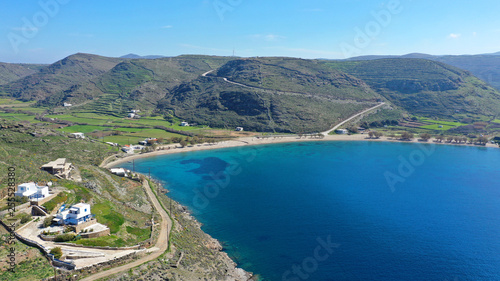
(160, 247)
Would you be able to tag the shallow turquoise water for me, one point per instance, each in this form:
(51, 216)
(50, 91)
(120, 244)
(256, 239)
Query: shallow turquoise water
(345, 210)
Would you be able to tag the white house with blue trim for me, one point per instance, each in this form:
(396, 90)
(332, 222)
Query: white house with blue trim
(76, 214)
(32, 191)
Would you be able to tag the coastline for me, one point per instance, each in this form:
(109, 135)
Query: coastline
(233, 270)
(251, 141)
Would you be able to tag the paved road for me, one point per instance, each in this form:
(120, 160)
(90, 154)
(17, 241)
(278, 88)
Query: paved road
(352, 117)
(160, 247)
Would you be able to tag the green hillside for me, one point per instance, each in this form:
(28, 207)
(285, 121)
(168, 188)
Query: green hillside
(296, 75)
(59, 76)
(425, 87)
(262, 94)
(11, 72)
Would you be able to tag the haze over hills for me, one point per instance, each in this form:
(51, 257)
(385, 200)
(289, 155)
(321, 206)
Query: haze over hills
(274, 94)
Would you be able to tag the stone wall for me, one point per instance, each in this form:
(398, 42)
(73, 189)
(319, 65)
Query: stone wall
(80, 227)
(96, 234)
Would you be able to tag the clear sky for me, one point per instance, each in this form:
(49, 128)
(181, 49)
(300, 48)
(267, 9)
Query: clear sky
(44, 31)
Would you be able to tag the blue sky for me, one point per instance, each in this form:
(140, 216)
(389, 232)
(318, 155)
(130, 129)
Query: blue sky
(45, 31)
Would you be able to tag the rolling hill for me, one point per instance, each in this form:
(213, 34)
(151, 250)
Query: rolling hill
(425, 87)
(485, 66)
(264, 94)
(10, 72)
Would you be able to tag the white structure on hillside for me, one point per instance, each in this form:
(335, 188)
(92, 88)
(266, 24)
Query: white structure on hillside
(184, 124)
(146, 141)
(77, 135)
(75, 215)
(131, 115)
(67, 104)
(239, 129)
(32, 190)
(119, 172)
(130, 148)
(342, 131)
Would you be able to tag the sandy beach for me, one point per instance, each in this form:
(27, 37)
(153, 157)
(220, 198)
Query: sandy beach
(245, 141)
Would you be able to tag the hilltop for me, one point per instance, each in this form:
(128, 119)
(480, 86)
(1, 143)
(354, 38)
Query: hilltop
(485, 66)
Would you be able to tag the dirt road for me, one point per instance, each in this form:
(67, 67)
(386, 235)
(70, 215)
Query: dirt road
(160, 247)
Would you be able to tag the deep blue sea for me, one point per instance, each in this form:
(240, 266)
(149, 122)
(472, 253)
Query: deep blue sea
(345, 210)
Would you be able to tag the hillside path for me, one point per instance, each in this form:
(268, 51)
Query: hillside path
(161, 244)
(352, 117)
(325, 132)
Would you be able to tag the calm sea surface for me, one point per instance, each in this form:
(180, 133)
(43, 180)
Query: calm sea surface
(345, 210)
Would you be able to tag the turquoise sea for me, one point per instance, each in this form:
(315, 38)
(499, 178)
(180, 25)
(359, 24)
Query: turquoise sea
(345, 210)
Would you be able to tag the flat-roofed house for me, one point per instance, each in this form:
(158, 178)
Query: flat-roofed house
(77, 135)
(32, 190)
(60, 168)
(76, 214)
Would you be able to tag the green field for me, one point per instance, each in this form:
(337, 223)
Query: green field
(497, 121)
(439, 122)
(436, 127)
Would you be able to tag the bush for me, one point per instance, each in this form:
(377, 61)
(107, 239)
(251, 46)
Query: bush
(47, 221)
(52, 203)
(57, 252)
(65, 237)
(25, 218)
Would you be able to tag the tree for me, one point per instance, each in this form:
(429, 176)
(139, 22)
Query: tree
(57, 252)
(440, 138)
(449, 139)
(482, 140)
(183, 143)
(406, 136)
(371, 134)
(377, 134)
(425, 136)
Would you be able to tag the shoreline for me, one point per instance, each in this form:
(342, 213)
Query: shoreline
(252, 141)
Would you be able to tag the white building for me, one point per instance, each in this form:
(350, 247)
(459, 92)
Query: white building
(75, 215)
(131, 115)
(135, 111)
(146, 141)
(184, 124)
(77, 135)
(67, 104)
(239, 129)
(119, 172)
(342, 131)
(32, 190)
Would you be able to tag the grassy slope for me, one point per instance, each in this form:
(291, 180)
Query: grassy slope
(211, 101)
(296, 75)
(27, 154)
(425, 87)
(59, 76)
(11, 72)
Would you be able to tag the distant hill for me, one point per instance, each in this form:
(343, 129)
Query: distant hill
(11, 72)
(274, 93)
(425, 87)
(134, 56)
(486, 66)
(59, 76)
